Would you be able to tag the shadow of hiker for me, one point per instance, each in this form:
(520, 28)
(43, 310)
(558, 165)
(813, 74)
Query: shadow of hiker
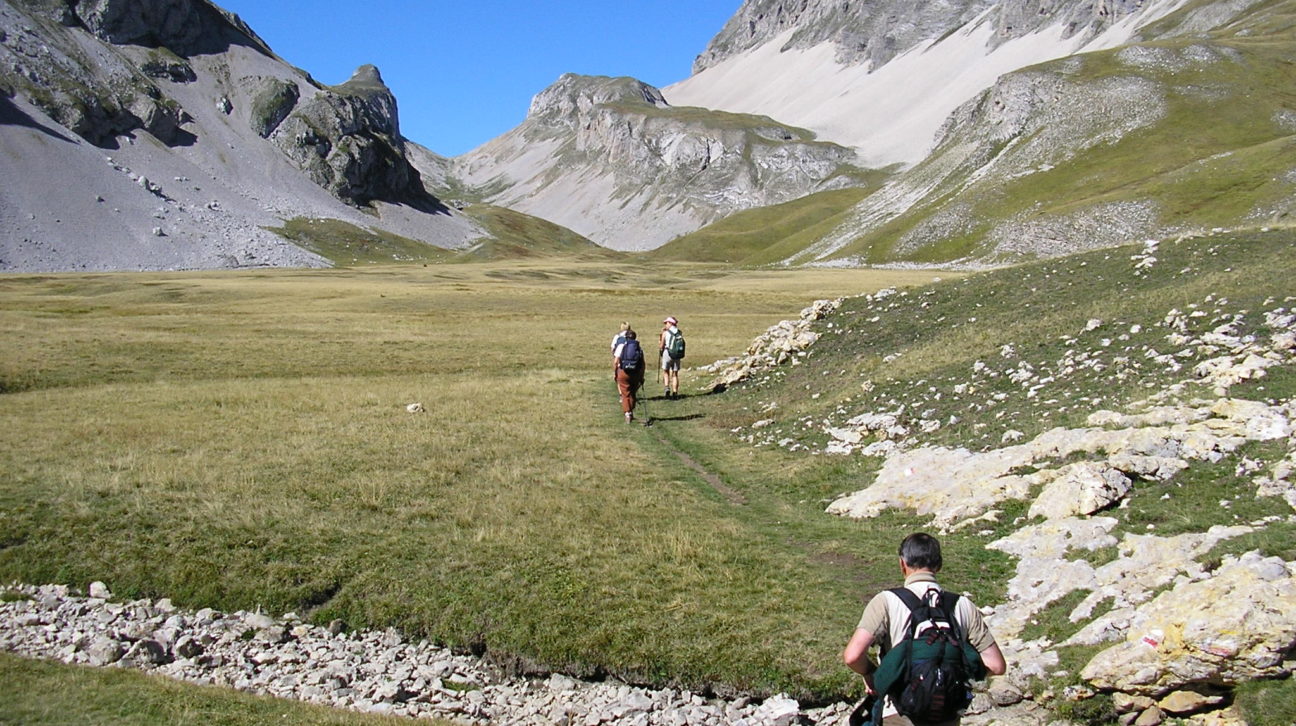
(688, 417)
(677, 397)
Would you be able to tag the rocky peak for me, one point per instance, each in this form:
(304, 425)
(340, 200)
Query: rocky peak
(575, 94)
(681, 167)
(346, 138)
(379, 103)
(366, 80)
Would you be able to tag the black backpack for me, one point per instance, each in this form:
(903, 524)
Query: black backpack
(631, 356)
(928, 674)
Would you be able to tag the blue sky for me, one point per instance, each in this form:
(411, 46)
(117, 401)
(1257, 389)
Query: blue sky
(464, 72)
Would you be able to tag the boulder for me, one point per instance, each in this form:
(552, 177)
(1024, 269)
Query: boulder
(1232, 627)
(1150, 717)
(1127, 703)
(104, 650)
(1181, 702)
(778, 711)
(1081, 488)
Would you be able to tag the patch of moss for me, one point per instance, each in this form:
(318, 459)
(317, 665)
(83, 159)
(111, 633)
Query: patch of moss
(1268, 702)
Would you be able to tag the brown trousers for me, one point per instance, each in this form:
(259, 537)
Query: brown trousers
(628, 384)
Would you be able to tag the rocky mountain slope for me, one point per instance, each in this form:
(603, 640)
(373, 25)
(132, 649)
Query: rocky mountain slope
(162, 134)
(1152, 121)
(1018, 129)
(611, 159)
(887, 74)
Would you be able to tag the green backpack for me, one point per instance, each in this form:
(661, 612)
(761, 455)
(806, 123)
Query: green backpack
(675, 344)
(926, 674)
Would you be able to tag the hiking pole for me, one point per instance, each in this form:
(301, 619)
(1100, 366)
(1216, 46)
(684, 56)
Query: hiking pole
(641, 401)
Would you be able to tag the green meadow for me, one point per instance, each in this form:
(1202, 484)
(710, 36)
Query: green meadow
(240, 440)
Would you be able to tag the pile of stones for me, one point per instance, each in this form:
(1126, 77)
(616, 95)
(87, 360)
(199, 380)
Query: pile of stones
(377, 671)
(782, 342)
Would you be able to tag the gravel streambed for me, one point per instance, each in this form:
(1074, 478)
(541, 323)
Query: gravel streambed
(373, 671)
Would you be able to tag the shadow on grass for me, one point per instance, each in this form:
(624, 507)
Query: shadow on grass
(687, 417)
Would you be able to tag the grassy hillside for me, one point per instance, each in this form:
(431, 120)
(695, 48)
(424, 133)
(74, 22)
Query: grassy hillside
(515, 236)
(919, 352)
(760, 236)
(509, 235)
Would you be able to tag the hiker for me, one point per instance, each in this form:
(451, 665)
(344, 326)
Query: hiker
(628, 368)
(670, 343)
(619, 338)
(886, 623)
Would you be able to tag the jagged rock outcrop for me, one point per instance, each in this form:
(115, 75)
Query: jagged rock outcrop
(346, 138)
(874, 33)
(86, 88)
(611, 159)
(957, 484)
(184, 26)
(98, 96)
(1238, 624)
(780, 343)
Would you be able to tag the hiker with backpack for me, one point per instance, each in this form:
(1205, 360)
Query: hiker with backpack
(670, 343)
(628, 366)
(932, 643)
(619, 338)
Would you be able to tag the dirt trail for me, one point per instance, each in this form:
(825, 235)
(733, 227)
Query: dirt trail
(710, 477)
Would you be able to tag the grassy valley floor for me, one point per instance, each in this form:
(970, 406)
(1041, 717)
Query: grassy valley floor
(241, 440)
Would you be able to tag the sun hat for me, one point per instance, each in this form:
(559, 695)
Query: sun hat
(672, 321)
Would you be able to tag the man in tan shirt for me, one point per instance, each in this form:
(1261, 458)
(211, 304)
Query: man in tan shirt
(886, 616)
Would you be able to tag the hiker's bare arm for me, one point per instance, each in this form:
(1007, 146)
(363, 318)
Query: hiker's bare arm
(994, 661)
(856, 655)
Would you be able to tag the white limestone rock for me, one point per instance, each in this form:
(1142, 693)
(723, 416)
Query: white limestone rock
(1081, 488)
(1053, 539)
(1234, 626)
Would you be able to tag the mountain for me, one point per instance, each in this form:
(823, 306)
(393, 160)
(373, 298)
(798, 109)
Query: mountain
(611, 159)
(883, 76)
(164, 134)
(1025, 129)
(157, 134)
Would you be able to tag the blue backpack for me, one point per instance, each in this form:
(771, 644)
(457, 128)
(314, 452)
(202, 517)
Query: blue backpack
(631, 356)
